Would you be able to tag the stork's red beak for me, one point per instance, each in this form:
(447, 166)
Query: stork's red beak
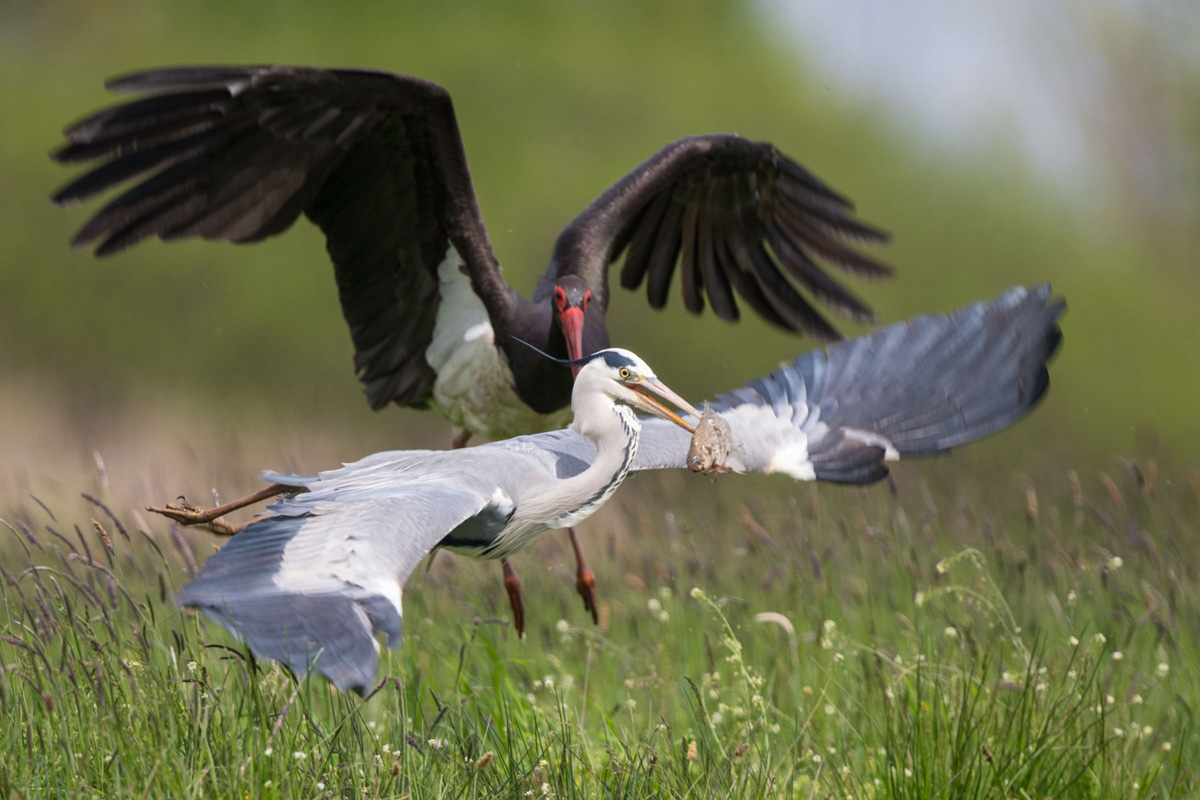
(571, 320)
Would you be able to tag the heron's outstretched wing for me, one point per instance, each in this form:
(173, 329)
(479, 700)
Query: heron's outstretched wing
(915, 388)
(238, 153)
(715, 204)
(311, 585)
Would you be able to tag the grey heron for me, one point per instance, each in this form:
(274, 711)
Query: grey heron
(312, 585)
(376, 160)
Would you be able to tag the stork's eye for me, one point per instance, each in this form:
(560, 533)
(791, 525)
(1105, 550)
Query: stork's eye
(625, 373)
(560, 298)
(586, 298)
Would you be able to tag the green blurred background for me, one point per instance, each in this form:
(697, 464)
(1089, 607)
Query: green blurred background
(208, 351)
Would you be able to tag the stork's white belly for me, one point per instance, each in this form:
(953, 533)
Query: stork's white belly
(474, 384)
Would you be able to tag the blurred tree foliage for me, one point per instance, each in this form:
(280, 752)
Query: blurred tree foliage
(555, 101)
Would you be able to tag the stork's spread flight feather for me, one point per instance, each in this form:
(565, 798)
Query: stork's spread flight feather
(314, 584)
(376, 160)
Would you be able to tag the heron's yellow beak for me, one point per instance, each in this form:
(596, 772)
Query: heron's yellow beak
(650, 394)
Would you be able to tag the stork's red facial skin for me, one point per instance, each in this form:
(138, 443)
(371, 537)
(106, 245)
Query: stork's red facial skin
(571, 318)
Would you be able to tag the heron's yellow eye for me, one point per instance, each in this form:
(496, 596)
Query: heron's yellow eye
(625, 373)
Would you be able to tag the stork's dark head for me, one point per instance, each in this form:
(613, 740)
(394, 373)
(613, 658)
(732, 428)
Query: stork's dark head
(570, 299)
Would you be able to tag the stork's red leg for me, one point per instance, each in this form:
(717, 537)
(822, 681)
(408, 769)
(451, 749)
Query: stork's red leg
(585, 579)
(512, 583)
(186, 513)
(460, 440)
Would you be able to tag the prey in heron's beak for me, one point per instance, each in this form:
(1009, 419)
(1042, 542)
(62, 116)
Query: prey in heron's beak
(649, 394)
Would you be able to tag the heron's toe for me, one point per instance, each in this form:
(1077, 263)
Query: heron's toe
(585, 584)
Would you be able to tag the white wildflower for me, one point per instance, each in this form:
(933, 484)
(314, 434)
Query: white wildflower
(1117, 655)
(1074, 641)
(1162, 669)
(192, 666)
(1071, 597)
(299, 755)
(268, 751)
(951, 632)
(1099, 638)
(1115, 563)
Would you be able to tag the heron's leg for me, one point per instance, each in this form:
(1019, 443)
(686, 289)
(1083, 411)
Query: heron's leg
(585, 579)
(512, 583)
(186, 513)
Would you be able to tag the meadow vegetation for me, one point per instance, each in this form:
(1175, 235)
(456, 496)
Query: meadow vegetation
(936, 635)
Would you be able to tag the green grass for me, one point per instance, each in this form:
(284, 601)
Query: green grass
(947, 637)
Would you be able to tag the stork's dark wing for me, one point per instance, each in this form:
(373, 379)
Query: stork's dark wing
(915, 388)
(237, 153)
(720, 206)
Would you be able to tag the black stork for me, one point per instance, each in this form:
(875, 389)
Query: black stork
(376, 161)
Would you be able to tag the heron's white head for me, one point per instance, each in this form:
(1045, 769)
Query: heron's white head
(619, 376)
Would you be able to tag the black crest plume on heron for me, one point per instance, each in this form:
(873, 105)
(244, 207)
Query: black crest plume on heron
(376, 160)
(313, 585)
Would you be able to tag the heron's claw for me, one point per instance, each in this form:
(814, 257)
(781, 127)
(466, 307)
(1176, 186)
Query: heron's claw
(585, 584)
(186, 513)
(585, 579)
(512, 584)
(181, 511)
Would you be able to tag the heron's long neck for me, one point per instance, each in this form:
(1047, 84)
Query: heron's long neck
(615, 431)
